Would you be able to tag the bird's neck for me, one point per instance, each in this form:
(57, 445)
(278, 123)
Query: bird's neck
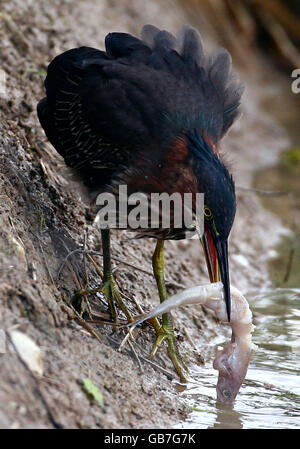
(173, 170)
(202, 143)
(211, 143)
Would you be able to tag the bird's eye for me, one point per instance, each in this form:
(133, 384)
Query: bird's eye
(207, 212)
(227, 394)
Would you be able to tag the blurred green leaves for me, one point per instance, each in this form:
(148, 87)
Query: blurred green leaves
(290, 158)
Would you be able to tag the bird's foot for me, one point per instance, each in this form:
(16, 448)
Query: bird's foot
(110, 290)
(166, 333)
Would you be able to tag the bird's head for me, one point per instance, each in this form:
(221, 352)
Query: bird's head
(217, 185)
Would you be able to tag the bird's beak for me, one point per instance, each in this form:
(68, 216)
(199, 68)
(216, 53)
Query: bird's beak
(216, 256)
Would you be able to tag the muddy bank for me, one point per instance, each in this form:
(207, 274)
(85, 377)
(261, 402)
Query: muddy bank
(43, 218)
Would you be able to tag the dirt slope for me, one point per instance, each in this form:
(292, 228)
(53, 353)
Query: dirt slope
(43, 218)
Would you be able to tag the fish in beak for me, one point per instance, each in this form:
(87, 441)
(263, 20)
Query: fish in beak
(216, 256)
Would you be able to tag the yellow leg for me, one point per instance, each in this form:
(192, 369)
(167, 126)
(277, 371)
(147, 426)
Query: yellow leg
(166, 332)
(108, 286)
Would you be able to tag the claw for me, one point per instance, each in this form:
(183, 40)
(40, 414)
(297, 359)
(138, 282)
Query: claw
(166, 332)
(110, 290)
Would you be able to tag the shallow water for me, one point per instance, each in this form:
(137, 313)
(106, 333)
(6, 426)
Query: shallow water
(270, 396)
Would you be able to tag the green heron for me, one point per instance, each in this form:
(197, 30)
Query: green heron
(149, 114)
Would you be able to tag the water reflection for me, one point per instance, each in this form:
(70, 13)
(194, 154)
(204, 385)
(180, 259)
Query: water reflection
(270, 395)
(227, 418)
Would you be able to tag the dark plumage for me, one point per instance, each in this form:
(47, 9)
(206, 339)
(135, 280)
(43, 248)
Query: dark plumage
(149, 113)
(102, 109)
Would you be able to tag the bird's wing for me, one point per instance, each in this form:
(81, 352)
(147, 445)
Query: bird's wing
(158, 87)
(139, 93)
(182, 86)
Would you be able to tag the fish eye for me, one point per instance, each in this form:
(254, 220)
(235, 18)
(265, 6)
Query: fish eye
(227, 394)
